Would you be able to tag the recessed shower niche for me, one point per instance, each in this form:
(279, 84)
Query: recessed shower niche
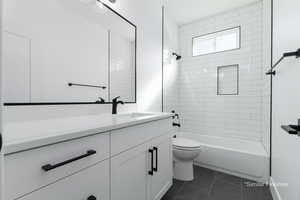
(228, 80)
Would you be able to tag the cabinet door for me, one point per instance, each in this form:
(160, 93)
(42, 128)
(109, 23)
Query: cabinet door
(162, 179)
(92, 182)
(129, 174)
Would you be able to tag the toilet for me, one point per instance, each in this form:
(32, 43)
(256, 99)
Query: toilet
(184, 152)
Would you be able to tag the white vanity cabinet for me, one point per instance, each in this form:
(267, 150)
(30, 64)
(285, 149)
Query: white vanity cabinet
(133, 162)
(145, 171)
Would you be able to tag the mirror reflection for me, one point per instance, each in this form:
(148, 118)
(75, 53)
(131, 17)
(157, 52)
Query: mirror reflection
(65, 51)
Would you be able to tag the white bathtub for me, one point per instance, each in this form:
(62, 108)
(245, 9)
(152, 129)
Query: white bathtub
(238, 157)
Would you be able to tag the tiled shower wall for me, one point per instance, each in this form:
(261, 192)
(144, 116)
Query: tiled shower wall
(202, 110)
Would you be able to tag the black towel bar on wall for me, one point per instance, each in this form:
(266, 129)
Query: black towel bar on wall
(288, 54)
(86, 85)
(292, 129)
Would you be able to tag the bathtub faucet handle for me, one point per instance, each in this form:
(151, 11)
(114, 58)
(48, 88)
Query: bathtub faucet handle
(176, 124)
(175, 114)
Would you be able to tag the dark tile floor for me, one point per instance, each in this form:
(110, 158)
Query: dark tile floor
(212, 185)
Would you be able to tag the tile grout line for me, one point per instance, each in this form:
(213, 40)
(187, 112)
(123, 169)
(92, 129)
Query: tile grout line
(179, 190)
(211, 185)
(228, 182)
(243, 192)
(242, 187)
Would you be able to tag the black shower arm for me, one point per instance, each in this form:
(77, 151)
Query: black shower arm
(288, 54)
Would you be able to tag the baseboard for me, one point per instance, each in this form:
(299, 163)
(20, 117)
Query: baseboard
(260, 180)
(274, 190)
(164, 190)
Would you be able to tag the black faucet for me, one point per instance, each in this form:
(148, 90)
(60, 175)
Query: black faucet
(115, 103)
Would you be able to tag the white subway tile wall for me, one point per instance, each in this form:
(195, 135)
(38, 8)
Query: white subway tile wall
(202, 110)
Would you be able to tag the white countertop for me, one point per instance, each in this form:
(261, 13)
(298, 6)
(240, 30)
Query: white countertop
(26, 135)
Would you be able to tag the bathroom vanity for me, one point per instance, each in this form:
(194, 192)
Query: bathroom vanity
(83, 54)
(117, 157)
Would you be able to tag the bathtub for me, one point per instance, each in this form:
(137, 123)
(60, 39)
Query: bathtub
(247, 159)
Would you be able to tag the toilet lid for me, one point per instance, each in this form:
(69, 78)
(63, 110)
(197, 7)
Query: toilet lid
(185, 143)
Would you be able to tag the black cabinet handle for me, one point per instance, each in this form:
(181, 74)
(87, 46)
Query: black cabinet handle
(49, 167)
(92, 197)
(1, 142)
(151, 171)
(156, 159)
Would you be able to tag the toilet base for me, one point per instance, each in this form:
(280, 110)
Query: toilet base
(183, 170)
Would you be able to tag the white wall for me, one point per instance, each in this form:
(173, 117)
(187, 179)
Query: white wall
(286, 98)
(203, 112)
(147, 16)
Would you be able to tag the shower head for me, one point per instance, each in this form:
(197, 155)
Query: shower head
(178, 57)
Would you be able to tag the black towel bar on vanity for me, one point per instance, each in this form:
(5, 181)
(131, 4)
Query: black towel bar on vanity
(49, 167)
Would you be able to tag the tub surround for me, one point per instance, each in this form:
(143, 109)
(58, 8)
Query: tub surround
(203, 111)
(20, 136)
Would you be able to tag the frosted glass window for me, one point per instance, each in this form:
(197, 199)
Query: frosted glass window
(227, 42)
(228, 80)
(204, 46)
(217, 42)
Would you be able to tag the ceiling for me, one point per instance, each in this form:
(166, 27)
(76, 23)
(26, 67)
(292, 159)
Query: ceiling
(187, 11)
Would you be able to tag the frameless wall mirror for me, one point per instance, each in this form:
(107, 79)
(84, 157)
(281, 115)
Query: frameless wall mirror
(67, 51)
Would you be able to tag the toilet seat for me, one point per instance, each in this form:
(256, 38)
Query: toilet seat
(186, 148)
(186, 144)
